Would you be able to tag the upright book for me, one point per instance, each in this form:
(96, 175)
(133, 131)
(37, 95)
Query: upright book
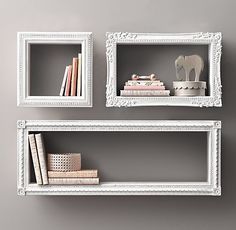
(34, 154)
(63, 85)
(79, 80)
(42, 157)
(68, 81)
(74, 77)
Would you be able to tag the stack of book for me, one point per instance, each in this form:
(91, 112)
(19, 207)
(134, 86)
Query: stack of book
(144, 86)
(71, 83)
(58, 169)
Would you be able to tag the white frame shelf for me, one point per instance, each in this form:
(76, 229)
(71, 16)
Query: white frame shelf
(213, 40)
(210, 187)
(25, 39)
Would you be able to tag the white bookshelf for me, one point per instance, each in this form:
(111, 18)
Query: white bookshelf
(212, 185)
(212, 41)
(27, 43)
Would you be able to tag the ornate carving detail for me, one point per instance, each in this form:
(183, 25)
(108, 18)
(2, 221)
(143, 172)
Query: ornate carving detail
(112, 99)
(21, 124)
(217, 191)
(20, 157)
(21, 192)
(216, 38)
(211, 101)
(217, 124)
(113, 38)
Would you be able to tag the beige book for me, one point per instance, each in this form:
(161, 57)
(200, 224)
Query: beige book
(42, 157)
(79, 80)
(35, 158)
(81, 174)
(71, 181)
(74, 77)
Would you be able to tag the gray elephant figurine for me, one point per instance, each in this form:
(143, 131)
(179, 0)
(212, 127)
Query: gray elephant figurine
(189, 63)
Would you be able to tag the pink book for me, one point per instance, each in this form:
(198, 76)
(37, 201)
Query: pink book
(144, 87)
(68, 82)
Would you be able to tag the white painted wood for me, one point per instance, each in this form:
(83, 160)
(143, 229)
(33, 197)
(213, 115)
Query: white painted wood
(211, 187)
(24, 39)
(213, 40)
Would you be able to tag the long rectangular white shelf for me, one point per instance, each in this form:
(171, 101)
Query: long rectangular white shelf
(212, 186)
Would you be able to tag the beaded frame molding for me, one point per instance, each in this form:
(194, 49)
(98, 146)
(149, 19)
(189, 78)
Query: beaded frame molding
(212, 40)
(212, 185)
(25, 40)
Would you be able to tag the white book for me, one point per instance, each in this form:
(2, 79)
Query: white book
(70, 181)
(144, 93)
(144, 83)
(63, 85)
(42, 157)
(35, 158)
(79, 80)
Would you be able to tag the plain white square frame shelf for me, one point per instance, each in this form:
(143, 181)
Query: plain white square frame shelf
(212, 185)
(25, 40)
(213, 40)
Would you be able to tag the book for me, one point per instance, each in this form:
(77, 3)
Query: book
(71, 181)
(79, 80)
(34, 154)
(144, 93)
(63, 85)
(144, 87)
(68, 81)
(74, 77)
(146, 83)
(72, 174)
(42, 157)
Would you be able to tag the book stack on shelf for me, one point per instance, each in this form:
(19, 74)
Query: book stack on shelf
(144, 86)
(71, 83)
(59, 168)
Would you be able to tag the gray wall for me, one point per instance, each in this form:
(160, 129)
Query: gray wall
(164, 213)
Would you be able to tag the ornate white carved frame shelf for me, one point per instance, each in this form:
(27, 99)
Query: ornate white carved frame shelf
(212, 185)
(213, 40)
(25, 40)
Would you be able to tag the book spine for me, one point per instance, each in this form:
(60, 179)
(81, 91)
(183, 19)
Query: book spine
(68, 82)
(73, 174)
(63, 85)
(144, 87)
(42, 157)
(35, 158)
(144, 83)
(81, 181)
(79, 80)
(74, 77)
(145, 92)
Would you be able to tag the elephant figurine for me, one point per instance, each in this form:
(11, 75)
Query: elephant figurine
(189, 63)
